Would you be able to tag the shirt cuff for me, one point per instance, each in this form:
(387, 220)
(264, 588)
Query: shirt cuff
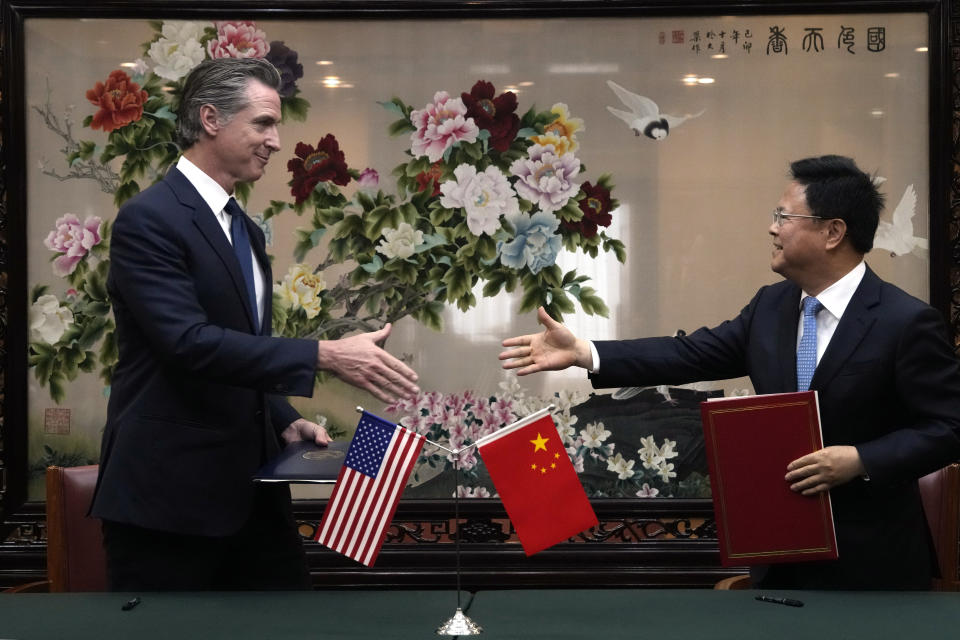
(595, 358)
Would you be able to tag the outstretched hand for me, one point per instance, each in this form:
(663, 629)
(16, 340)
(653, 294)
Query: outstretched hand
(360, 361)
(553, 349)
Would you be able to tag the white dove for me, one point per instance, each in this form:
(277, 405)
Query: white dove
(644, 116)
(897, 237)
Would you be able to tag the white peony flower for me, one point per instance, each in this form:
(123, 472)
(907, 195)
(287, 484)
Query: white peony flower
(400, 242)
(484, 197)
(301, 288)
(178, 50)
(48, 320)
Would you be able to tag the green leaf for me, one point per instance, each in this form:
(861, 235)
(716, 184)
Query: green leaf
(56, 388)
(125, 191)
(494, 284)
(551, 275)
(241, 191)
(457, 281)
(394, 106)
(316, 235)
(618, 248)
(593, 304)
(532, 298)
(416, 166)
(374, 265)
(294, 108)
(400, 127)
(430, 315)
(365, 201)
(164, 113)
(560, 301)
(37, 291)
(108, 348)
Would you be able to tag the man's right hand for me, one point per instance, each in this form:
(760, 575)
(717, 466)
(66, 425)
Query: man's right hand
(553, 349)
(358, 360)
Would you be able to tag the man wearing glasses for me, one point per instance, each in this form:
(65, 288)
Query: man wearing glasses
(887, 377)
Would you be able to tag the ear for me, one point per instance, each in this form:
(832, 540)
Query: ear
(836, 230)
(210, 119)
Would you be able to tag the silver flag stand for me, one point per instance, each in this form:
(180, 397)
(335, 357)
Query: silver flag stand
(459, 624)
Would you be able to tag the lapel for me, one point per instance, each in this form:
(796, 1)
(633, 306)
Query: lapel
(854, 325)
(789, 316)
(206, 222)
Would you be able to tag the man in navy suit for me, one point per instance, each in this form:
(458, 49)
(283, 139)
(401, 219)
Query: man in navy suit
(197, 399)
(887, 377)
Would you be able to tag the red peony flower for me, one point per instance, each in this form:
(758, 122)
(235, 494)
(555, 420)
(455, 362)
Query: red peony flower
(120, 101)
(495, 115)
(595, 206)
(430, 177)
(323, 164)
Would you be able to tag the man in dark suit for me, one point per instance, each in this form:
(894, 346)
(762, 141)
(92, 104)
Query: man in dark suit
(887, 377)
(197, 398)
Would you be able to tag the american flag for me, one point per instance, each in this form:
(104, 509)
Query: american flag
(374, 473)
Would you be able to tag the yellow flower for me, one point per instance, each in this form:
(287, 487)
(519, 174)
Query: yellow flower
(301, 288)
(563, 127)
(560, 145)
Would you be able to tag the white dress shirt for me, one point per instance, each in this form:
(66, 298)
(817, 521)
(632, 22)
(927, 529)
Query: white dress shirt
(834, 299)
(216, 198)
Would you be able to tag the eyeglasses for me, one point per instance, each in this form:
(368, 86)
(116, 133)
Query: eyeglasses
(779, 216)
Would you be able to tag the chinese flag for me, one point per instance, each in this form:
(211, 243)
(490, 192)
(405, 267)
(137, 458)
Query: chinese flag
(536, 482)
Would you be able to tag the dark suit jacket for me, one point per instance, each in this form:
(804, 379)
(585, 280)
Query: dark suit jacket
(888, 383)
(196, 399)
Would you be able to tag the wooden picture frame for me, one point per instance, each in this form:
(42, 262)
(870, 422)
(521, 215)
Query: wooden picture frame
(664, 541)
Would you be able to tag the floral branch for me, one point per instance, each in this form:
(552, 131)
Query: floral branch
(81, 168)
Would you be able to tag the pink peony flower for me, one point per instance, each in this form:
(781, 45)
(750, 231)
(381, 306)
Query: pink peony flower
(440, 125)
(73, 240)
(369, 179)
(546, 179)
(238, 40)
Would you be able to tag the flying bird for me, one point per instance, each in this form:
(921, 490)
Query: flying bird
(644, 116)
(897, 236)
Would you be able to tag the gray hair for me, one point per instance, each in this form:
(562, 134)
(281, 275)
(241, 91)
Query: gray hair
(221, 82)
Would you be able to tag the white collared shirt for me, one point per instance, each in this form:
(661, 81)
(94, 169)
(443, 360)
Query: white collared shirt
(216, 198)
(834, 299)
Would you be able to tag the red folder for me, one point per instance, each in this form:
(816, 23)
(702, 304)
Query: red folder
(749, 442)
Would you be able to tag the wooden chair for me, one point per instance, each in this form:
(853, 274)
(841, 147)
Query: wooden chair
(75, 557)
(940, 493)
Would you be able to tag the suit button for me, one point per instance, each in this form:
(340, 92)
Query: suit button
(258, 415)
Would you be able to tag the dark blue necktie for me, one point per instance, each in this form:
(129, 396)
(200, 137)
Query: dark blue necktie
(241, 247)
(807, 350)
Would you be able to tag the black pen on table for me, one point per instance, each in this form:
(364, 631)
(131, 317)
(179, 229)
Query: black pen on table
(131, 603)
(790, 602)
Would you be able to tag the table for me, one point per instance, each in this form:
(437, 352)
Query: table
(520, 614)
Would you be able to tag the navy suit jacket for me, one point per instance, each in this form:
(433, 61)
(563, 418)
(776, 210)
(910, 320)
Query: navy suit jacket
(888, 383)
(196, 402)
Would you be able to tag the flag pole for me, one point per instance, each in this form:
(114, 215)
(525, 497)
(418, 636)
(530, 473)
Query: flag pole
(459, 624)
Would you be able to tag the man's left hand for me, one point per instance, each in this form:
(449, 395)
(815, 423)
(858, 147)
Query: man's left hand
(303, 429)
(824, 469)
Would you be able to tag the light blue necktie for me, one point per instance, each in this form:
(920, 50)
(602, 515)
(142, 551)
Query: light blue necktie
(241, 247)
(807, 350)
